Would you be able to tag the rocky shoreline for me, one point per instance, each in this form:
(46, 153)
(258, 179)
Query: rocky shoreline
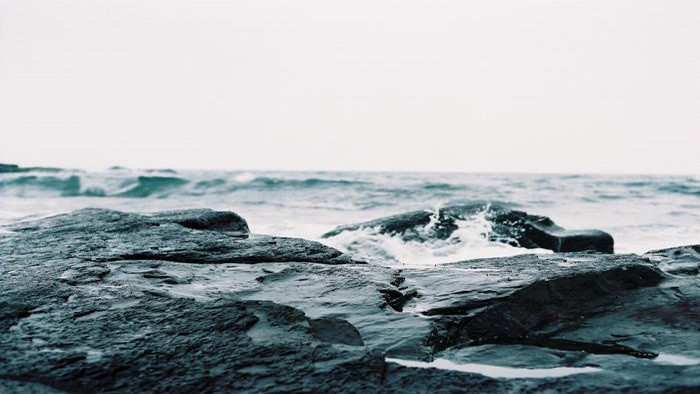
(106, 301)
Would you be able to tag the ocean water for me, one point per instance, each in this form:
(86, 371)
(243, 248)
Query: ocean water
(642, 212)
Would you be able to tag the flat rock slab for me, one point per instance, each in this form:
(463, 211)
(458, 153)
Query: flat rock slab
(620, 313)
(682, 260)
(515, 298)
(508, 225)
(190, 236)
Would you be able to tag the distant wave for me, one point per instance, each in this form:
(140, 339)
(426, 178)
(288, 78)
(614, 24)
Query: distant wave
(128, 186)
(681, 188)
(369, 191)
(310, 182)
(28, 184)
(147, 186)
(441, 186)
(73, 185)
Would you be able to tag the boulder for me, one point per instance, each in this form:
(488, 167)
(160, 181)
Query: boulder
(529, 296)
(189, 236)
(509, 226)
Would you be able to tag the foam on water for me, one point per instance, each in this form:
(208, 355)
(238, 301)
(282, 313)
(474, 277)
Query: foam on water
(469, 241)
(676, 360)
(494, 371)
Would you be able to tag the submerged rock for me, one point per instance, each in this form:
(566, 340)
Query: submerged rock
(105, 301)
(509, 226)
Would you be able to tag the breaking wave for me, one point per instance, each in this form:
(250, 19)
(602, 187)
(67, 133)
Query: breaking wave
(469, 241)
(33, 184)
(121, 183)
(76, 185)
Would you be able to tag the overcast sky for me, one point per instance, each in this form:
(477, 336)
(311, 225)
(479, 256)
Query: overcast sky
(511, 85)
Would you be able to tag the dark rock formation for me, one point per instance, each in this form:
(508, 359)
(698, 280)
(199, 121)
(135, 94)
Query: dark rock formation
(205, 219)
(619, 312)
(683, 260)
(77, 316)
(193, 236)
(5, 168)
(508, 226)
(104, 301)
(536, 296)
(334, 330)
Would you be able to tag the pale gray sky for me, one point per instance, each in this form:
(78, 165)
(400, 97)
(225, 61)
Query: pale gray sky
(511, 85)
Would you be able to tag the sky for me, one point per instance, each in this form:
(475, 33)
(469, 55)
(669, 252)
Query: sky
(564, 86)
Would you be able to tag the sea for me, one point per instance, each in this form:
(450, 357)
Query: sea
(641, 212)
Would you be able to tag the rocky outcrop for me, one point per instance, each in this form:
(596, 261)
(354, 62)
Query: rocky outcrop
(105, 301)
(531, 296)
(623, 313)
(11, 168)
(191, 236)
(682, 260)
(509, 226)
(77, 314)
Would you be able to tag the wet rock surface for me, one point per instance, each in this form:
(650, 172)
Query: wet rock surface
(104, 301)
(508, 225)
(192, 236)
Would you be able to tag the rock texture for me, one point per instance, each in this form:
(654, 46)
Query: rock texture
(104, 235)
(105, 301)
(509, 226)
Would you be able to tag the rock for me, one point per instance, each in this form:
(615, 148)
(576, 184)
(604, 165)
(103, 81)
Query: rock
(334, 330)
(80, 311)
(9, 168)
(510, 299)
(621, 313)
(164, 344)
(683, 260)
(508, 226)
(191, 236)
(205, 219)
(72, 320)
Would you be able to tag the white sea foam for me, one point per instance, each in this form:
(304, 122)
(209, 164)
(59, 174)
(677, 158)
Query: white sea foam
(244, 177)
(495, 371)
(469, 241)
(676, 359)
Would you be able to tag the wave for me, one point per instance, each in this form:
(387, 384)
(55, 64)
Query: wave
(74, 185)
(123, 183)
(33, 184)
(147, 186)
(470, 240)
(681, 188)
(305, 183)
(441, 186)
